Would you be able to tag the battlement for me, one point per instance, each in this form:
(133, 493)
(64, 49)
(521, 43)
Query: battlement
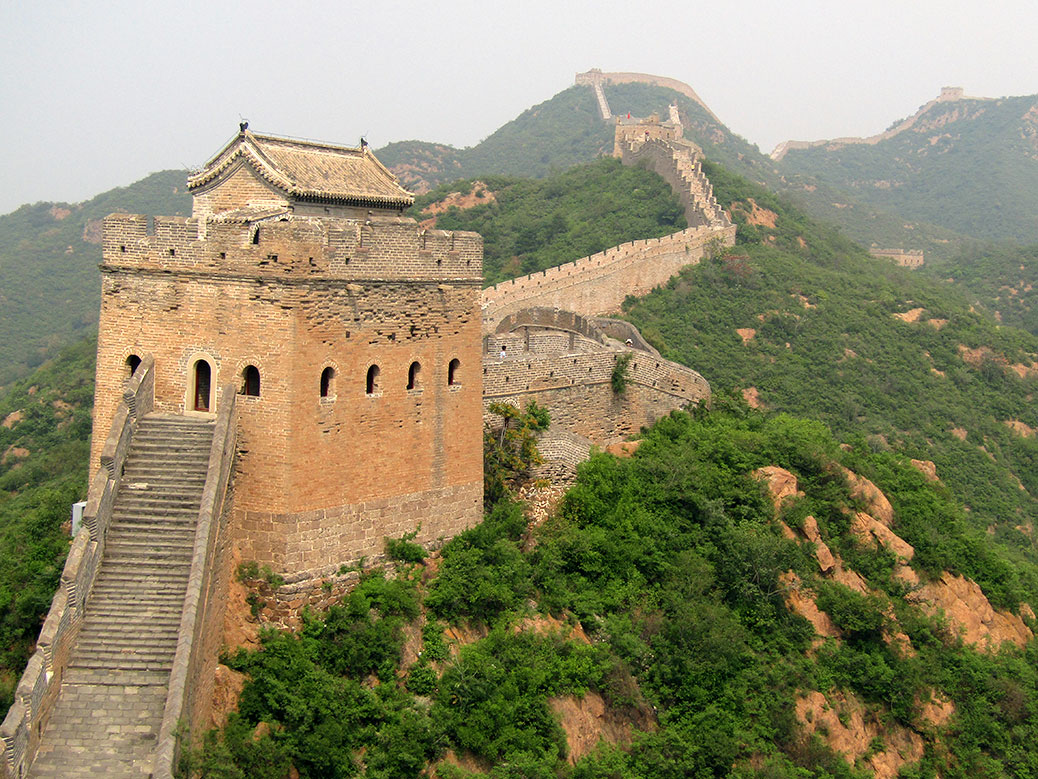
(566, 362)
(596, 76)
(292, 247)
(679, 163)
(598, 284)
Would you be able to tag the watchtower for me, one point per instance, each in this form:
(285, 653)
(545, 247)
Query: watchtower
(352, 335)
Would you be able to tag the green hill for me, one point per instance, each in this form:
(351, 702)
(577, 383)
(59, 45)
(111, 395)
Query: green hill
(532, 224)
(1001, 278)
(874, 351)
(551, 136)
(652, 616)
(44, 445)
(567, 130)
(659, 596)
(50, 289)
(969, 165)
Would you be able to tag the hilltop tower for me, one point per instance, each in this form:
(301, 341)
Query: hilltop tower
(351, 335)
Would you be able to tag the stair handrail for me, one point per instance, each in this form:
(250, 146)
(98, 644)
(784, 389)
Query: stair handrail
(181, 710)
(38, 689)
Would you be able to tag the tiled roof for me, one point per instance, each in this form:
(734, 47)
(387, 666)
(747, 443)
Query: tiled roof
(310, 170)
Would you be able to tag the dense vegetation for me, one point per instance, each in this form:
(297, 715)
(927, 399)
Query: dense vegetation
(658, 586)
(566, 130)
(50, 291)
(44, 445)
(529, 224)
(971, 166)
(1000, 277)
(665, 575)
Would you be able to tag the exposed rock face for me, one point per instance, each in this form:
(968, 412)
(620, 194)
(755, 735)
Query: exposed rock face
(967, 608)
(588, 720)
(911, 315)
(227, 687)
(780, 483)
(817, 713)
(927, 468)
(877, 504)
(752, 397)
(623, 449)
(804, 604)
(12, 419)
(937, 711)
(872, 532)
(824, 556)
(747, 334)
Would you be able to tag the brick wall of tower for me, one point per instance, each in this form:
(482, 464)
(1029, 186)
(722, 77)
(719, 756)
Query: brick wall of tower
(242, 187)
(321, 480)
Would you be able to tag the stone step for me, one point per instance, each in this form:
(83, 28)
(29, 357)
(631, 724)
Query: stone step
(157, 562)
(126, 645)
(164, 478)
(172, 442)
(74, 676)
(147, 588)
(172, 432)
(159, 492)
(125, 662)
(158, 501)
(172, 515)
(148, 544)
(159, 612)
(147, 622)
(181, 458)
(167, 530)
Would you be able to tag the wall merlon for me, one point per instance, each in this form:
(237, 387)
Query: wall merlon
(387, 248)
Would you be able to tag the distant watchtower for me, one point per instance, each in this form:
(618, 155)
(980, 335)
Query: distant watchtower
(352, 336)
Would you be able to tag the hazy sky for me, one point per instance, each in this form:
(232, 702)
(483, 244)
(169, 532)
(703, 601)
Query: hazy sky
(98, 94)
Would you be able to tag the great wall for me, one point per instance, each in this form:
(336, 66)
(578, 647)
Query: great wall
(947, 95)
(290, 375)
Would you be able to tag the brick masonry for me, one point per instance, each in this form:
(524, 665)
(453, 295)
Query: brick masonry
(294, 296)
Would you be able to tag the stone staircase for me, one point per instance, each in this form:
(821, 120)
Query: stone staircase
(110, 706)
(603, 104)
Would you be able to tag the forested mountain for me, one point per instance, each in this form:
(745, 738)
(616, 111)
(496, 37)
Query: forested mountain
(532, 224)
(44, 446)
(969, 165)
(567, 129)
(50, 290)
(838, 583)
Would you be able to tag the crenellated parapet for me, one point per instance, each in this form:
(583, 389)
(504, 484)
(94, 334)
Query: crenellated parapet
(292, 247)
(598, 284)
(569, 364)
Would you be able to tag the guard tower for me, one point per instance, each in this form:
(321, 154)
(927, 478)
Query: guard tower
(352, 336)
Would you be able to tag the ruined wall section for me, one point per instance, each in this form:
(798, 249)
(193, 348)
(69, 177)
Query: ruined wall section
(599, 284)
(906, 258)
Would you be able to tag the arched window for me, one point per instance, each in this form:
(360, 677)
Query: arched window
(327, 381)
(203, 385)
(250, 381)
(132, 362)
(372, 382)
(412, 375)
(454, 372)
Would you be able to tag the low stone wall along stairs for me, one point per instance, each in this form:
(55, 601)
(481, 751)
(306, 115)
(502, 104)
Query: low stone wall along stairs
(107, 716)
